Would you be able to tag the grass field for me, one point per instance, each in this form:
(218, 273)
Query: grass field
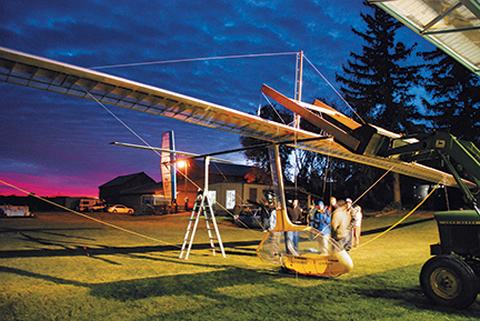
(64, 267)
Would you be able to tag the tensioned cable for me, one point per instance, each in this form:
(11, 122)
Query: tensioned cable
(335, 90)
(146, 143)
(274, 109)
(400, 221)
(86, 216)
(373, 185)
(121, 122)
(134, 133)
(193, 59)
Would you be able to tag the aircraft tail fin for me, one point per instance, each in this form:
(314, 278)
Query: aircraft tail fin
(168, 167)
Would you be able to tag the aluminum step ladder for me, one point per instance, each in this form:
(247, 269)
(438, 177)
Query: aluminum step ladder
(202, 206)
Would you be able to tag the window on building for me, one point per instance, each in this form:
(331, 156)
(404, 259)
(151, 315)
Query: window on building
(252, 195)
(230, 199)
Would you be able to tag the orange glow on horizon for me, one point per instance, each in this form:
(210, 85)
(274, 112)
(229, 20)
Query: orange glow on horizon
(24, 184)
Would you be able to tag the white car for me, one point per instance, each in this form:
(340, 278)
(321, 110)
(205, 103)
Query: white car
(119, 208)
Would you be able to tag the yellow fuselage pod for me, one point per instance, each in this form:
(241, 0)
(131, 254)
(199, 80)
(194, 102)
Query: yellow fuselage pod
(272, 250)
(319, 264)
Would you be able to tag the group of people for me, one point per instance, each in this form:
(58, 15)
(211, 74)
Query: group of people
(341, 220)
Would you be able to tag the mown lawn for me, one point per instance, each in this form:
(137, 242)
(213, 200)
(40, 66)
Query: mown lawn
(63, 267)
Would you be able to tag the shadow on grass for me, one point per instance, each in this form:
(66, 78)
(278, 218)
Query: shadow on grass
(59, 232)
(384, 286)
(56, 280)
(226, 288)
(94, 250)
(200, 284)
(203, 283)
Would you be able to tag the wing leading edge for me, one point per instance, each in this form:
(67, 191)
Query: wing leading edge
(41, 73)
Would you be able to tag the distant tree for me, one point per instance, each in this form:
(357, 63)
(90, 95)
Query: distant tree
(377, 82)
(455, 91)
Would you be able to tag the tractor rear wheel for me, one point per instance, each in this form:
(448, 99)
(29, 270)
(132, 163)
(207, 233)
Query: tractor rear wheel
(447, 280)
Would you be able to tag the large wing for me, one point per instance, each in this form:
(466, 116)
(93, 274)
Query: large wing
(451, 25)
(41, 73)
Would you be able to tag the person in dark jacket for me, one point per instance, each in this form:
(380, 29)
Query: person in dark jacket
(321, 221)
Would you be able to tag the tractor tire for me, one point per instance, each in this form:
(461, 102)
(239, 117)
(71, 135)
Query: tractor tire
(448, 281)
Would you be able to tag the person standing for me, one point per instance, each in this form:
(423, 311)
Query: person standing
(322, 223)
(341, 225)
(357, 229)
(292, 238)
(312, 211)
(333, 204)
(323, 217)
(351, 225)
(295, 213)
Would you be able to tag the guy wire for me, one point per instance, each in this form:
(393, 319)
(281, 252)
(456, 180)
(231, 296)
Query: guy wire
(400, 221)
(86, 216)
(146, 143)
(336, 91)
(193, 59)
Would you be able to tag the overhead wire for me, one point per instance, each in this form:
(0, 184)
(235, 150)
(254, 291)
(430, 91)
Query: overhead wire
(134, 132)
(373, 185)
(86, 216)
(136, 64)
(274, 109)
(401, 220)
(335, 90)
(158, 154)
(185, 60)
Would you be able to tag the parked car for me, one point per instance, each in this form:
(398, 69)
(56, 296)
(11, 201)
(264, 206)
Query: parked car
(250, 219)
(91, 205)
(119, 208)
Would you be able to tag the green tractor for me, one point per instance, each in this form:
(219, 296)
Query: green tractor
(452, 276)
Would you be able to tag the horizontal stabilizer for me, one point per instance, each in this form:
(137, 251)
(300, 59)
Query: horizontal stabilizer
(177, 152)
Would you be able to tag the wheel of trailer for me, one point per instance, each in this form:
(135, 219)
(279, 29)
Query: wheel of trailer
(449, 281)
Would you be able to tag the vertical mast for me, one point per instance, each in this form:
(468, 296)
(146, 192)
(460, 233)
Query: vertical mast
(299, 75)
(298, 97)
(298, 84)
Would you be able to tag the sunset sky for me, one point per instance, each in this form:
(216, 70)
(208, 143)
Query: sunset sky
(59, 145)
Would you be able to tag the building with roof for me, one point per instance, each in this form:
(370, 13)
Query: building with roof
(228, 186)
(113, 190)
